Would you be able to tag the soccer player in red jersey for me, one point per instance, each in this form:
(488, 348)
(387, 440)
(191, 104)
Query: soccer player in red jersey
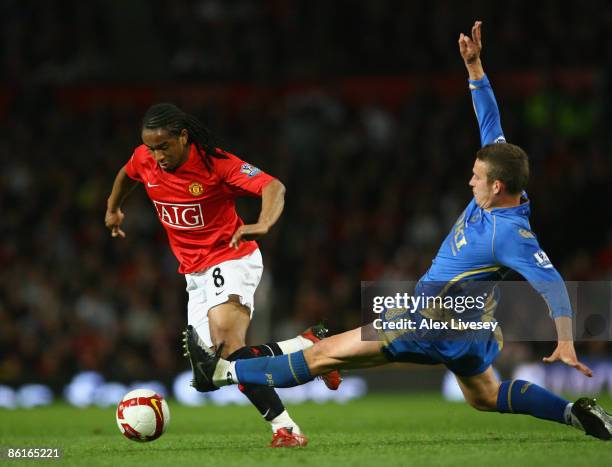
(193, 187)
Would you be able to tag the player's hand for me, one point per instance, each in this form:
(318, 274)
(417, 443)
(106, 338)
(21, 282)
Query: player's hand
(113, 220)
(248, 232)
(470, 47)
(566, 353)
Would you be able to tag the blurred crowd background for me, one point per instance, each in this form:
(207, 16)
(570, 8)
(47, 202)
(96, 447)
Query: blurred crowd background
(360, 108)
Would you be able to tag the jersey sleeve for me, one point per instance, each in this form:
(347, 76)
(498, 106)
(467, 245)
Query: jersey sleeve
(523, 254)
(487, 112)
(241, 175)
(132, 168)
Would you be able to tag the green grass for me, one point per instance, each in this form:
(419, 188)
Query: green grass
(382, 430)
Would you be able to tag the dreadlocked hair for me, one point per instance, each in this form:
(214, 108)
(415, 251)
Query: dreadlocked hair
(172, 119)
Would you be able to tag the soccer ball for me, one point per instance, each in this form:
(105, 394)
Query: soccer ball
(142, 415)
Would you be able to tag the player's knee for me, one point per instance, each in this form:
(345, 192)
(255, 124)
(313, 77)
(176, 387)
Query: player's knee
(229, 315)
(483, 401)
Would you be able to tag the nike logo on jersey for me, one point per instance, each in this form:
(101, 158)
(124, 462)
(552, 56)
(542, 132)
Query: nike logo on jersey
(150, 185)
(219, 293)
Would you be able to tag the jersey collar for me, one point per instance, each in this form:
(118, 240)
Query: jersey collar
(523, 209)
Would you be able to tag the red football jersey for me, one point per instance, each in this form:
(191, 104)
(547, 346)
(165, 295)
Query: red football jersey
(197, 206)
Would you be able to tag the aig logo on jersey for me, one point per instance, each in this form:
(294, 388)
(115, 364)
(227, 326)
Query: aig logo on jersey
(542, 259)
(180, 216)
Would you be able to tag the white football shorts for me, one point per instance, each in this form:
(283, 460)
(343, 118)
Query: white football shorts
(214, 285)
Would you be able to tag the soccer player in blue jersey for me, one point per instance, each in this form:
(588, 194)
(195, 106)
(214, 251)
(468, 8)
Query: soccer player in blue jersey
(491, 237)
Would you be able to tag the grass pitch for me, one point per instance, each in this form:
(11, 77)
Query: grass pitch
(384, 430)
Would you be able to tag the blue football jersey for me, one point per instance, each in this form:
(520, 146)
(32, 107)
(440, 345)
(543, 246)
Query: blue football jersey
(484, 245)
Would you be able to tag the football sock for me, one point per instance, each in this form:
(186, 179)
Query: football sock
(569, 419)
(270, 349)
(264, 398)
(523, 397)
(294, 345)
(282, 372)
(284, 421)
(225, 373)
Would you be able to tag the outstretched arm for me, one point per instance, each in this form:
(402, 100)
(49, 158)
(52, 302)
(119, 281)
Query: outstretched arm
(114, 216)
(272, 203)
(483, 98)
(524, 255)
(470, 48)
(565, 352)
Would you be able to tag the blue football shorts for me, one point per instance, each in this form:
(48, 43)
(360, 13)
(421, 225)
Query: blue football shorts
(462, 357)
(464, 352)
